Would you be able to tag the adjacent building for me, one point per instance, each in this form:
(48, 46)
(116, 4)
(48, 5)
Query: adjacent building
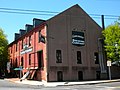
(66, 47)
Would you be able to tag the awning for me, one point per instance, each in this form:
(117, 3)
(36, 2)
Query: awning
(17, 69)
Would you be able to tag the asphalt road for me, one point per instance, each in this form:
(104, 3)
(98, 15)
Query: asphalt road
(7, 85)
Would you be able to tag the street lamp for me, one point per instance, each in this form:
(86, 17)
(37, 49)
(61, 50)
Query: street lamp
(109, 65)
(117, 53)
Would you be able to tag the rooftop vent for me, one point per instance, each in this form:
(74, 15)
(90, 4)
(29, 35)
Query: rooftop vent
(37, 22)
(28, 27)
(17, 35)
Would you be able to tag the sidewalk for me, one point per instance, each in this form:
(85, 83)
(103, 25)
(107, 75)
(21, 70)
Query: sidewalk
(54, 84)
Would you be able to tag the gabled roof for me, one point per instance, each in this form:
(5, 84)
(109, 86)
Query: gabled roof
(68, 12)
(72, 8)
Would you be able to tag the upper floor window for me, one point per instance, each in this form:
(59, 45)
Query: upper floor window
(11, 49)
(58, 56)
(39, 36)
(22, 44)
(30, 40)
(16, 46)
(16, 62)
(79, 61)
(96, 58)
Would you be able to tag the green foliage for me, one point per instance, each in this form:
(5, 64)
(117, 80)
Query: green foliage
(112, 41)
(3, 50)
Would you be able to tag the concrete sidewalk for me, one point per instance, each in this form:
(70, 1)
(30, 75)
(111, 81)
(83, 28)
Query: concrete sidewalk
(54, 84)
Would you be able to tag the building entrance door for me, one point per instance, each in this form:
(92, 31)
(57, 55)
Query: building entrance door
(80, 75)
(40, 59)
(98, 75)
(60, 76)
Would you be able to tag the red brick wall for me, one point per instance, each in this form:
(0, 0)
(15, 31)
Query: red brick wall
(35, 45)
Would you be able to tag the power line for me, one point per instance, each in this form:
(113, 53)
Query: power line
(27, 10)
(104, 15)
(47, 13)
(112, 16)
(25, 13)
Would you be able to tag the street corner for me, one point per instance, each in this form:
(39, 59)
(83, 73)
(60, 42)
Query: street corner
(30, 82)
(15, 80)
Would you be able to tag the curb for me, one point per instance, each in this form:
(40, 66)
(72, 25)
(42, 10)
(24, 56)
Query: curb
(55, 84)
(91, 82)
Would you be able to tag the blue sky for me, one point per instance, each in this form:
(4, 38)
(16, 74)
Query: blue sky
(12, 22)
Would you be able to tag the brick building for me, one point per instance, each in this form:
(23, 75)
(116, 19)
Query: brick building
(66, 47)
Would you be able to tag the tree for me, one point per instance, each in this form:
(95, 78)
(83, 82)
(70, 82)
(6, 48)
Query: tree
(3, 51)
(112, 42)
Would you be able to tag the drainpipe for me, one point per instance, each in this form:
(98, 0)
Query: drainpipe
(47, 54)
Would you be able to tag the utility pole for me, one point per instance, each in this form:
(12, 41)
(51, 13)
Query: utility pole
(103, 24)
(103, 51)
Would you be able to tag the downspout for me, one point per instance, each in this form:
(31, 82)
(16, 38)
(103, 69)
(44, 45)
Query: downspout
(47, 54)
(34, 47)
